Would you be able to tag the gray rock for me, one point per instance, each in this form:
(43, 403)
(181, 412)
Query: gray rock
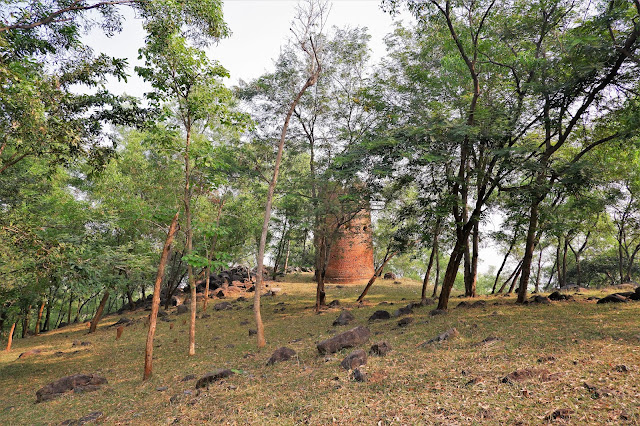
(344, 318)
(348, 339)
(447, 335)
(281, 354)
(222, 306)
(380, 315)
(76, 383)
(182, 309)
(214, 376)
(358, 375)
(354, 359)
(613, 298)
(381, 348)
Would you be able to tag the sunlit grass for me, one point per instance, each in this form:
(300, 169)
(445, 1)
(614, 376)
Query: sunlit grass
(408, 386)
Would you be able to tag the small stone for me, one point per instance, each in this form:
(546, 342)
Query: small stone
(334, 303)
(344, 318)
(612, 298)
(381, 348)
(406, 310)
(447, 335)
(359, 375)
(621, 368)
(562, 413)
(348, 339)
(252, 332)
(216, 375)
(188, 377)
(29, 353)
(182, 309)
(380, 315)
(354, 359)
(405, 321)
(438, 312)
(162, 388)
(281, 354)
(222, 306)
(77, 383)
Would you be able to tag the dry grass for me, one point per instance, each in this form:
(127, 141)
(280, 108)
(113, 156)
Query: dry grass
(454, 382)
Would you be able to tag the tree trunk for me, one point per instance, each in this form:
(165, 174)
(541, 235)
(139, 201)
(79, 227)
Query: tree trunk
(451, 272)
(286, 259)
(267, 210)
(515, 271)
(70, 306)
(435, 285)
(504, 261)
(189, 246)
(98, 315)
(537, 288)
(528, 251)
(39, 319)
(25, 322)
(276, 263)
(434, 249)
(10, 341)
(155, 302)
(474, 259)
(388, 256)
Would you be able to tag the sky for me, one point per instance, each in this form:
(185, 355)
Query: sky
(259, 29)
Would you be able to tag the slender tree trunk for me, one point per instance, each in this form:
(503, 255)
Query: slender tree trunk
(267, 211)
(515, 271)
(565, 249)
(25, 322)
(98, 315)
(155, 302)
(70, 306)
(388, 256)
(432, 255)
(189, 245)
(435, 285)
(286, 259)
(504, 262)
(514, 281)
(39, 319)
(210, 255)
(10, 341)
(474, 259)
(276, 263)
(528, 252)
(537, 288)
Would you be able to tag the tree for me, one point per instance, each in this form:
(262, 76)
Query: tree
(307, 29)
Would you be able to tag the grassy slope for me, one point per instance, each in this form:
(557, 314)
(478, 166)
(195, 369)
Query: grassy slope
(409, 386)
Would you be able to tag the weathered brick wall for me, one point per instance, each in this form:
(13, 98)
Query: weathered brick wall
(351, 257)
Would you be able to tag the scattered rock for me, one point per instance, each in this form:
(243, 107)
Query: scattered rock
(598, 392)
(425, 302)
(613, 298)
(223, 306)
(479, 304)
(241, 299)
(381, 348)
(405, 321)
(463, 304)
(490, 340)
(557, 296)
(405, 310)
(162, 388)
(359, 375)
(354, 359)
(621, 368)
(79, 343)
(438, 312)
(123, 321)
(281, 354)
(390, 276)
(182, 309)
(548, 358)
(214, 376)
(526, 374)
(84, 419)
(380, 315)
(348, 339)
(253, 332)
(29, 353)
(542, 300)
(220, 294)
(473, 381)
(344, 318)
(76, 383)
(562, 413)
(188, 377)
(334, 303)
(449, 334)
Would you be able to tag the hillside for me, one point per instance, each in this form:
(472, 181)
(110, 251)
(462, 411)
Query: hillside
(575, 356)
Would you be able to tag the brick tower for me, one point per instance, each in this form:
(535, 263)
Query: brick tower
(351, 257)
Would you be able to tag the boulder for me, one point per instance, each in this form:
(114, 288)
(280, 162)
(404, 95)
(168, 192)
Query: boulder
(380, 315)
(479, 304)
(83, 420)
(557, 296)
(29, 353)
(348, 339)
(405, 321)
(334, 303)
(438, 312)
(281, 354)
(344, 318)
(405, 310)
(123, 321)
(381, 348)
(542, 300)
(182, 309)
(214, 376)
(354, 359)
(358, 375)
(613, 298)
(390, 276)
(76, 383)
(222, 306)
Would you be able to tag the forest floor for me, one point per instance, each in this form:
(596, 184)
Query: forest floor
(582, 363)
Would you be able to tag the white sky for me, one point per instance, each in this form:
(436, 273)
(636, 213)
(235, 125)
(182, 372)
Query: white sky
(259, 29)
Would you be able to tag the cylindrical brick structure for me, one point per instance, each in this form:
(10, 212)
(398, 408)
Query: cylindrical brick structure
(351, 256)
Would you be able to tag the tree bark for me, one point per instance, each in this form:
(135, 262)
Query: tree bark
(450, 274)
(98, 315)
(537, 287)
(267, 211)
(39, 319)
(504, 261)
(155, 302)
(474, 259)
(10, 341)
(435, 285)
(387, 257)
(432, 255)
(528, 251)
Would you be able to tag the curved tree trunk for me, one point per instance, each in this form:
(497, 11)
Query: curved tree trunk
(98, 315)
(528, 252)
(10, 341)
(155, 303)
(387, 257)
(39, 319)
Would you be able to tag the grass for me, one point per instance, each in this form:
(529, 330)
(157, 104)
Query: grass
(454, 382)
